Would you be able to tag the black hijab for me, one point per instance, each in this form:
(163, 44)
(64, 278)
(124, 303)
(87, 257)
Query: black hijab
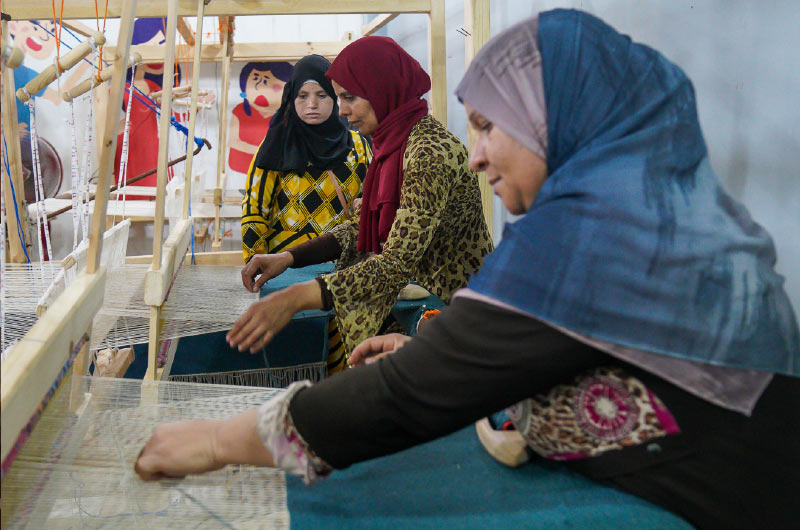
(293, 145)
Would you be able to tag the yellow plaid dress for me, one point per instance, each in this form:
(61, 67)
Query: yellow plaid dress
(281, 210)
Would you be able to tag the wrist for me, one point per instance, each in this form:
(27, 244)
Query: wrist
(288, 257)
(236, 441)
(305, 295)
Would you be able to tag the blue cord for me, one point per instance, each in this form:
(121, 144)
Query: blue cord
(20, 233)
(146, 101)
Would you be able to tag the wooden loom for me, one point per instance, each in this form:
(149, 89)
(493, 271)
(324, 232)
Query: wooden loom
(51, 343)
(59, 337)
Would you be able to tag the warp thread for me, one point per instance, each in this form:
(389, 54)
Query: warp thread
(28, 429)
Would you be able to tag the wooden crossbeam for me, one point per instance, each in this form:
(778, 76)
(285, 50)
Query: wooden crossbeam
(186, 31)
(246, 51)
(377, 23)
(42, 9)
(78, 27)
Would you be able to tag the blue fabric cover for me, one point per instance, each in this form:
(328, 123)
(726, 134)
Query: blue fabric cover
(454, 483)
(632, 239)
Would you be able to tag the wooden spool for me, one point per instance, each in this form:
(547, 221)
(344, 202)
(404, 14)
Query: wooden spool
(49, 74)
(88, 84)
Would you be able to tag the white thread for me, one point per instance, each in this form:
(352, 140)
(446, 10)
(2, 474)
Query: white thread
(75, 175)
(41, 214)
(123, 162)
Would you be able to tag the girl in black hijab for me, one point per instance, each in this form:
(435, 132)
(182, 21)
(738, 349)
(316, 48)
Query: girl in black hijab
(306, 174)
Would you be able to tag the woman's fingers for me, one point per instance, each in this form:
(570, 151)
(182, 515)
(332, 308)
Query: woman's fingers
(261, 343)
(374, 358)
(247, 280)
(177, 449)
(243, 327)
(377, 347)
(264, 278)
(250, 271)
(253, 337)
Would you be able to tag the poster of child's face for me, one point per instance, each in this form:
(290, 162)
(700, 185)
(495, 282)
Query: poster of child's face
(35, 41)
(264, 91)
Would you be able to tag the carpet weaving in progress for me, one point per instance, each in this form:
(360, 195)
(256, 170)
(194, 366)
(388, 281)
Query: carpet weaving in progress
(76, 470)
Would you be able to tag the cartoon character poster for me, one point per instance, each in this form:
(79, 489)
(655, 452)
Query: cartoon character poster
(261, 85)
(36, 39)
(143, 134)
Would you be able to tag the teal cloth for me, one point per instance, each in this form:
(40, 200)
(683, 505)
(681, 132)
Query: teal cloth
(408, 312)
(304, 341)
(453, 483)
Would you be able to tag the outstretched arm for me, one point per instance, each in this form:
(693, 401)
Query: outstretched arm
(471, 360)
(186, 447)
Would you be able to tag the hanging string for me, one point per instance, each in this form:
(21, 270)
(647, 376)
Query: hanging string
(57, 26)
(123, 162)
(41, 214)
(83, 184)
(97, 19)
(75, 175)
(20, 232)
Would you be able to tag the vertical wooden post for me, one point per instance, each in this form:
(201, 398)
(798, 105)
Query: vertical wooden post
(12, 150)
(437, 60)
(222, 142)
(163, 132)
(154, 341)
(476, 20)
(108, 144)
(101, 96)
(187, 173)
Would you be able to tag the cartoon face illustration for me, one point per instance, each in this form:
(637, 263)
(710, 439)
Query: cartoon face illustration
(149, 32)
(34, 41)
(264, 91)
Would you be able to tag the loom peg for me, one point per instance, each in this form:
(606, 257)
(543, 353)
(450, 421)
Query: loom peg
(88, 84)
(49, 74)
(13, 56)
(176, 92)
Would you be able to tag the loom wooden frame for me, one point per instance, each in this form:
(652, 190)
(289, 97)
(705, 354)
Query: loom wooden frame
(30, 369)
(73, 310)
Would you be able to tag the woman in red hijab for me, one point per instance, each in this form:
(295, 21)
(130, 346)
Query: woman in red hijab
(420, 219)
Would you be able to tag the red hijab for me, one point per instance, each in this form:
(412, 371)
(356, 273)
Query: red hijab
(380, 71)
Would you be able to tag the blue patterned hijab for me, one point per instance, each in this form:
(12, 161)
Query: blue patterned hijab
(632, 240)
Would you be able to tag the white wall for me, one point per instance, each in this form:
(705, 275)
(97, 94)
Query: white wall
(744, 60)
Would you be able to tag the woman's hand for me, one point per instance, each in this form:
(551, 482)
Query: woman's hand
(177, 449)
(263, 267)
(265, 318)
(374, 348)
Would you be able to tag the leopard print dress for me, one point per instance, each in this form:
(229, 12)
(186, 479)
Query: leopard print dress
(438, 239)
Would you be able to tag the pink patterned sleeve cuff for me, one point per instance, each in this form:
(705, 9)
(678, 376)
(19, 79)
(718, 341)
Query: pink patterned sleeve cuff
(279, 435)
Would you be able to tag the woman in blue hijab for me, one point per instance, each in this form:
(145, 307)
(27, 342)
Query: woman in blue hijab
(632, 318)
